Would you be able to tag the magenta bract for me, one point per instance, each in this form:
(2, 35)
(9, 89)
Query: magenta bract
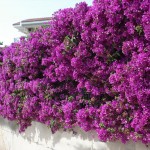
(89, 68)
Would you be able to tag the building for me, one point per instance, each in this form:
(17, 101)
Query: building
(29, 25)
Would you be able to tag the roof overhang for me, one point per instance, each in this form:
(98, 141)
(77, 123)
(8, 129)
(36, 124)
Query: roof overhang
(25, 25)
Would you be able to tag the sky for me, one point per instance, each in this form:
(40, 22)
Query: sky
(12, 11)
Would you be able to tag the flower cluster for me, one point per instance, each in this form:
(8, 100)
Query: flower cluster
(90, 68)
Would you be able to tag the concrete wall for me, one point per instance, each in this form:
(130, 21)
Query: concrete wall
(39, 137)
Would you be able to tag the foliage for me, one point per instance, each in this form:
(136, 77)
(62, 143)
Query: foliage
(89, 68)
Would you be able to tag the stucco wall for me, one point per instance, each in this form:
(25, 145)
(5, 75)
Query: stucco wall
(39, 137)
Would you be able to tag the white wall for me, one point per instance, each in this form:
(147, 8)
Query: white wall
(39, 137)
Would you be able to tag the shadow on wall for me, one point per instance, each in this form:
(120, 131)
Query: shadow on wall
(38, 135)
(41, 134)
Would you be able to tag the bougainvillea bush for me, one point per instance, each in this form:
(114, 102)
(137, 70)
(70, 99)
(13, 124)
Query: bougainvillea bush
(89, 68)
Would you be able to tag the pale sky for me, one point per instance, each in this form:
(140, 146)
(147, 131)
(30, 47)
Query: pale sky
(12, 11)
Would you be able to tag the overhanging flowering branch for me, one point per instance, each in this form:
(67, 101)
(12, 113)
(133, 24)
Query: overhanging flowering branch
(89, 68)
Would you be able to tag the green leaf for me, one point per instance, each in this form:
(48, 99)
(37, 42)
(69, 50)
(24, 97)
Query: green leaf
(47, 96)
(111, 130)
(102, 125)
(70, 98)
(52, 123)
(139, 29)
